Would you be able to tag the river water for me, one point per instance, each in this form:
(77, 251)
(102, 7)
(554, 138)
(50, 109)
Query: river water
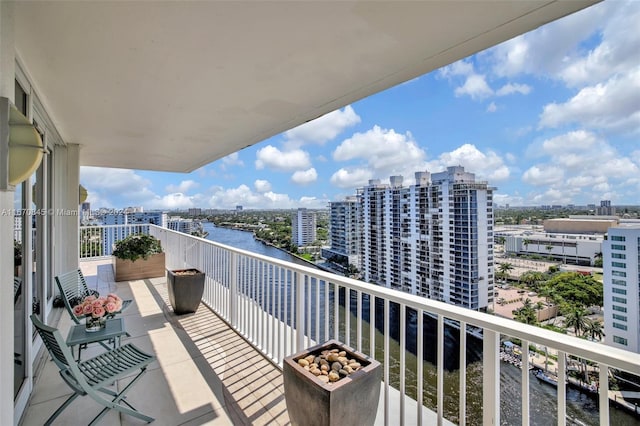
(581, 408)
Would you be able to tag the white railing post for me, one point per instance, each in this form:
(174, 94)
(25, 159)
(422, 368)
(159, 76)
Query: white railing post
(299, 311)
(525, 383)
(233, 290)
(562, 390)
(490, 378)
(603, 397)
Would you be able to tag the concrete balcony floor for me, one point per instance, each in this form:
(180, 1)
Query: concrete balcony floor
(206, 374)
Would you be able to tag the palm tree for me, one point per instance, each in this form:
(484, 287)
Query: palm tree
(505, 267)
(576, 319)
(549, 247)
(526, 243)
(526, 313)
(594, 329)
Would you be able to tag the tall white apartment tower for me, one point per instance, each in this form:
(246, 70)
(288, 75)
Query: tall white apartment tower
(433, 238)
(375, 241)
(344, 232)
(303, 227)
(620, 262)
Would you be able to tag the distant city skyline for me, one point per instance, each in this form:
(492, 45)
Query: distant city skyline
(549, 118)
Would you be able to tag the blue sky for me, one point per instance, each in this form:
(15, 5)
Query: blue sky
(550, 117)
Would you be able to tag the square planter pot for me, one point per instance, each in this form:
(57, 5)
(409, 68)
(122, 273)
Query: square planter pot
(186, 287)
(352, 400)
(152, 267)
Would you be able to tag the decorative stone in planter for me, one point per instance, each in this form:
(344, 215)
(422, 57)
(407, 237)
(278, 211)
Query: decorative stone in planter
(348, 399)
(186, 287)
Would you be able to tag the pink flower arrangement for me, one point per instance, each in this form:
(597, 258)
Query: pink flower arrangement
(99, 307)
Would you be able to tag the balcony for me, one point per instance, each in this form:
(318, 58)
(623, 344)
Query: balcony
(223, 364)
(205, 373)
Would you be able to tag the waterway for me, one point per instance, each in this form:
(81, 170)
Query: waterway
(582, 409)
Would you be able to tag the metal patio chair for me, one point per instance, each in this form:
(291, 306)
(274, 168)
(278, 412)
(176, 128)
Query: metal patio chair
(92, 376)
(73, 288)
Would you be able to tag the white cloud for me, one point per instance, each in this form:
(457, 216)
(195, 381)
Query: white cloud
(262, 186)
(617, 51)
(183, 187)
(579, 164)
(384, 151)
(322, 129)
(511, 88)
(492, 107)
(106, 184)
(554, 196)
(614, 106)
(547, 50)
(584, 153)
(542, 175)
(486, 165)
(286, 161)
(585, 181)
(304, 177)
(461, 67)
(349, 178)
(232, 160)
(228, 198)
(171, 202)
(475, 86)
(510, 199)
(579, 141)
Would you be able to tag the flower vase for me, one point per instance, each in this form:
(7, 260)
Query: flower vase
(95, 324)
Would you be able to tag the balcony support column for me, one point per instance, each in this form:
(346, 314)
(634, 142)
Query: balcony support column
(7, 90)
(66, 204)
(491, 377)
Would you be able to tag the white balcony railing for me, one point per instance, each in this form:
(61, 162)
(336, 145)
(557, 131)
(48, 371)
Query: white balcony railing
(281, 307)
(97, 241)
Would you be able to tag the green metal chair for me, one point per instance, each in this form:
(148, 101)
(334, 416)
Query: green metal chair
(92, 376)
(73, 288)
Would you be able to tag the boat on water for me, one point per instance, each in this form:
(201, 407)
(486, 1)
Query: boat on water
(546, 378)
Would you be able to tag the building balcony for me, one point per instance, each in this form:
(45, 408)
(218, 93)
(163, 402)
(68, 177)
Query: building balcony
(206, 373)
(222, 365)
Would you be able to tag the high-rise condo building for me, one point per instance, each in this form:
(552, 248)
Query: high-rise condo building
(186, 226)
(620, 262)
(303, 227)
(433, 238)
(606, 209)
(112, 234)
(344, 233)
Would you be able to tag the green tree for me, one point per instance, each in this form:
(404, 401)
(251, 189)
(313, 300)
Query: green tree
(548, 247)
(575, 289)
(597, 260)
(594, 329)
(576, 319)
(505, 267)
(526, 313)
(532, 279)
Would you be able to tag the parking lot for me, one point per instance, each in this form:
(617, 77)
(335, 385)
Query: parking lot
(513, 299)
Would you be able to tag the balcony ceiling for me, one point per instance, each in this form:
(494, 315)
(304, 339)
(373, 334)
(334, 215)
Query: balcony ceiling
(173, 86)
